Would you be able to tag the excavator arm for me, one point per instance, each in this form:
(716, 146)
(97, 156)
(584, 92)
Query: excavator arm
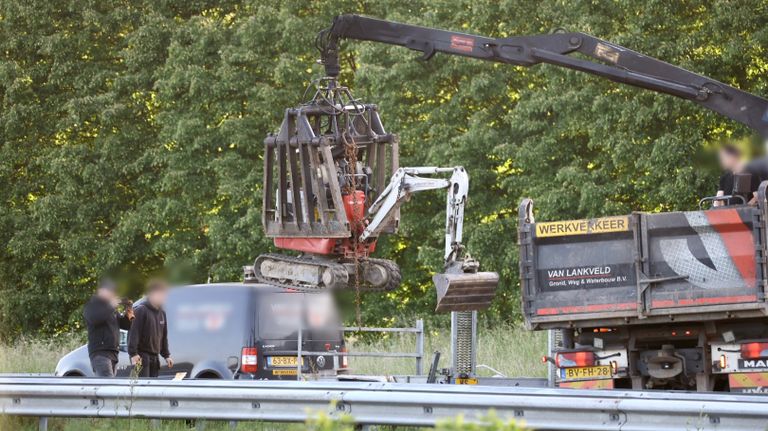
(611, 61)
(407, 181)
(461, 286)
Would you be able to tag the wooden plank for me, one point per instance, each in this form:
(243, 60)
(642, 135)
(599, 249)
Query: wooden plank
(298, 205)
(317, 185)
(381, 166)
(333, 181)
(268, 203)
(307, 186)
(282, 184)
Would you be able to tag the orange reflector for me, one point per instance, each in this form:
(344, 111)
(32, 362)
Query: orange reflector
(754, 350)
(574, 359)
(723, 362)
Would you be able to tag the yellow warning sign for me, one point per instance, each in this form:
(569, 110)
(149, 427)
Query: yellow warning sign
(582, 227)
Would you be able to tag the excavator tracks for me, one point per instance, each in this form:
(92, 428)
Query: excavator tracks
(389, 267)
(313, 274)
(300, 273)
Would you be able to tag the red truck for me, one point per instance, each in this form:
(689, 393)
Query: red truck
(644, 301)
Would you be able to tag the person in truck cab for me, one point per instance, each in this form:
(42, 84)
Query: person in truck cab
(731, 161)
(148, 336)
(104, 324)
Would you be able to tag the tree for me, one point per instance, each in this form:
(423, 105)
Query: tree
(131, 133)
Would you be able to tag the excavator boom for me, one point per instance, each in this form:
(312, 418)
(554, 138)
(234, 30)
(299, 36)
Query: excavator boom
(612, 61)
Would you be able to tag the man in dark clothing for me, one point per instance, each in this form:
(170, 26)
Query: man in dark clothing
(148, 337)
(732, 162)
(759, 170)
(104, 324)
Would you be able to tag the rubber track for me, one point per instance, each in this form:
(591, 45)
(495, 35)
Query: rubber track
(394, 275)
(338, 271)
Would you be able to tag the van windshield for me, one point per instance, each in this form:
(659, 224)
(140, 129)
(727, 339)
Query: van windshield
(282, 314)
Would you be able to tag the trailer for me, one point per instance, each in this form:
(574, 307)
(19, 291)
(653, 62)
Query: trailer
(651, 300)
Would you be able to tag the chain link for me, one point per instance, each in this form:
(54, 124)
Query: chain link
(350, 151)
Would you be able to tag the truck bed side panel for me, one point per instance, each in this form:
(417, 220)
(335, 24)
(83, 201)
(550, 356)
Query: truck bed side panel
(713, 250)
(664, 264)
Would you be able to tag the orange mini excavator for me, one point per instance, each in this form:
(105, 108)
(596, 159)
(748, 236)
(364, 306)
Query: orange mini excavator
(326, 197)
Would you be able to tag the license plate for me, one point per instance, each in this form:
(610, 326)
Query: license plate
(599, 372)
(283, 361)
(466, 381)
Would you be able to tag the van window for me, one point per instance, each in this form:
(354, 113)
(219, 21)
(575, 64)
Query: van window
(208, 319)
(282, 314)
(322, 317)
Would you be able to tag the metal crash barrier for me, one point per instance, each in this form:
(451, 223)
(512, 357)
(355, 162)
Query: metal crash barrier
(368, 403)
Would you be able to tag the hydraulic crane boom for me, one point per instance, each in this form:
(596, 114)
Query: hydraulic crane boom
(614, 62)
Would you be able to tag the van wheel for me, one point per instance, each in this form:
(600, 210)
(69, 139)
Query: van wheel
(74, 374)
(192, 423)
(208, 375)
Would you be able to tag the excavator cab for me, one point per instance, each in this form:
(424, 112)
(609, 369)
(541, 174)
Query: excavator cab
(326, 149)
(329, 160)
(326, 196)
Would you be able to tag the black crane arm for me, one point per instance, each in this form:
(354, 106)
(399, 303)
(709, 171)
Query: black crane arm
(615, 62)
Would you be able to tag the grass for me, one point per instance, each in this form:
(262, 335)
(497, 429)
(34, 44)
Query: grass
(512, 351)
(36, 355)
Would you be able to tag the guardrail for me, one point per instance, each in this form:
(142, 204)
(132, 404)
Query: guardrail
(380, 403)
(418, 355)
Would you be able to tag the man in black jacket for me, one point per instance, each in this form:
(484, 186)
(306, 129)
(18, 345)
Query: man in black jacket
(148, 337)
(104, 324)
(732, 162)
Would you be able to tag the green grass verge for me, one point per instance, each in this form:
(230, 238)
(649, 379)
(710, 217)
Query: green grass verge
(512, 351)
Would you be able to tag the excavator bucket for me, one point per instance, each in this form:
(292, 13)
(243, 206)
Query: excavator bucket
(465, 291)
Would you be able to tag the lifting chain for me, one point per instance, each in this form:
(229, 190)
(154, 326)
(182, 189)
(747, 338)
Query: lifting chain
(350, 151)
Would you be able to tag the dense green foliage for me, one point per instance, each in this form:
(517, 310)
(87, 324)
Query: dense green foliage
(130, 131)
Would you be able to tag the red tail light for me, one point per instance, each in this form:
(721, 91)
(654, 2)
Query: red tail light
(249, 360)
(574, 359)
(344, 358)
(754, 350)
